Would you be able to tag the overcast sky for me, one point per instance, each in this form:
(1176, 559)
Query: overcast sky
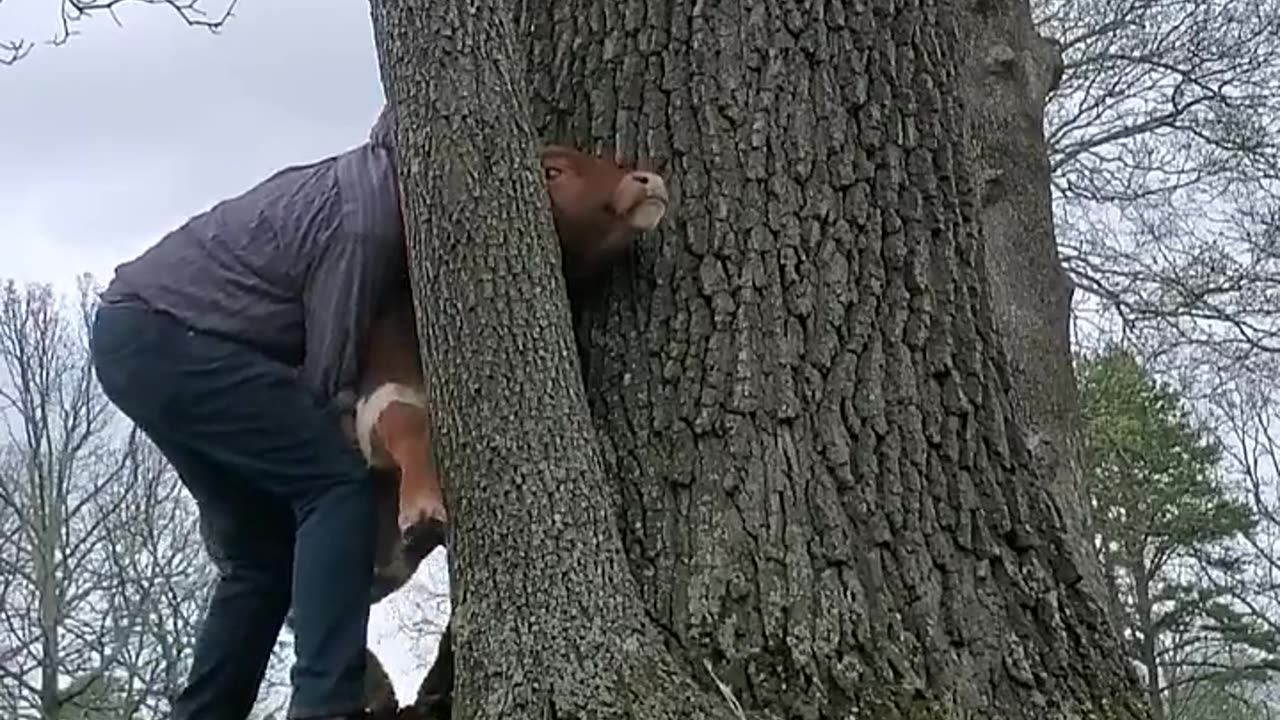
(118, 136)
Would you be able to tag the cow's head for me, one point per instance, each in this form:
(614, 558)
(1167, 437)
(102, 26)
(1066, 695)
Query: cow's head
(599, 205)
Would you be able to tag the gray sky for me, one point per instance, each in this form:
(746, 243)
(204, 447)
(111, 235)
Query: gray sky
(120, 135)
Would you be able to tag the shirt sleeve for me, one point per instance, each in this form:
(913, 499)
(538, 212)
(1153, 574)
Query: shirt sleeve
(351, 278)
(342, 294)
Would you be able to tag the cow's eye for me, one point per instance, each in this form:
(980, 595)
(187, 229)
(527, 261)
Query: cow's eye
(552, 172)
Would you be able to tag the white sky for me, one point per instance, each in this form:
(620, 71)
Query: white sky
(120, 135)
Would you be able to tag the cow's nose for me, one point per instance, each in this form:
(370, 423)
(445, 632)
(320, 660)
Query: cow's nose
(652, 182)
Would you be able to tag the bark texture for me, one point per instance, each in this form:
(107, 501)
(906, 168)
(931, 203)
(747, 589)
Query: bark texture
(546, 621)
(801, 395)
(1008, 72)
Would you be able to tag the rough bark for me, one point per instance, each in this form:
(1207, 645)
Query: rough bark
(826, 493)
(1008, 71)
(546, 619)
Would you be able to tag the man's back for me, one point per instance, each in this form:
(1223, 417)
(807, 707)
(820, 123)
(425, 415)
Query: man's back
(238, 268)
(287, 267)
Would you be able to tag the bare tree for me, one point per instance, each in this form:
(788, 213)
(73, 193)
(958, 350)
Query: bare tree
(103, 576)
(10, 523)
(163, 576)
(1164, 143)
(72, 11)
(1162, 96)
(419, 612)
(1250, 418)
(63, 467)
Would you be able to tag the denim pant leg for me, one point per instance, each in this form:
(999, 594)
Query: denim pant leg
(250, 418)
(250, 537)
(248, 534)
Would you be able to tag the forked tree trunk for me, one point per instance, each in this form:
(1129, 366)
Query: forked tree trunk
(819, 503)
(547, 621)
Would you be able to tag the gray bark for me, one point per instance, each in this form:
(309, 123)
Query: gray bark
(826, 490)
(1146, 632)
(1008, 72)
(546, 619)
(799, 397)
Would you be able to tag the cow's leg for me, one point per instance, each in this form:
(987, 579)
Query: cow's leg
(392, 428)
(394, 565)
(379, 694)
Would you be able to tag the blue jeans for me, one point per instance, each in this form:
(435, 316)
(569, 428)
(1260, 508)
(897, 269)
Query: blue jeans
(285, 501)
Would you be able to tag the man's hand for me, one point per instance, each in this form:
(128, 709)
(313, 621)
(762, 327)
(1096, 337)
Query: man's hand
(347, 421)
(344, 404)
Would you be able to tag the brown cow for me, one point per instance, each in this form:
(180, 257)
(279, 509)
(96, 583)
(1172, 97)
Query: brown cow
(598, 206)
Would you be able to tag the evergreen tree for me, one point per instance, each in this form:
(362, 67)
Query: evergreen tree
(1163, 516)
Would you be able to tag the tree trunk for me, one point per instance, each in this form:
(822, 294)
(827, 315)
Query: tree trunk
(826, 502)
(804, 402)
(546, 620)
(1008, 71)
(1144, 615)
(50, 592)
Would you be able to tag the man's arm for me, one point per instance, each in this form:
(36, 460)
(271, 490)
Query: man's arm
(357, 270)
(344, 291)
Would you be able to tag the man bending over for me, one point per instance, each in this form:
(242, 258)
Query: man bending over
(229, 343)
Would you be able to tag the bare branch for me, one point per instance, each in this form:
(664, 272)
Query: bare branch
(73, 11)
(103, 580)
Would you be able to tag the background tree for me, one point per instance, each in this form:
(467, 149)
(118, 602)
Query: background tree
(70, 12)
(102, 579)
(1247, 413)
(1163, 512)
(1216, 701)
(101, 699)
(1164, 138)
(11, 646)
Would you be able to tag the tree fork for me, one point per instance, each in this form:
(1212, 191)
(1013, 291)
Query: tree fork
(546, 619)
(802, 391)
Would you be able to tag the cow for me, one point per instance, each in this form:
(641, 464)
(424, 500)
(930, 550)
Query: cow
(598, 206)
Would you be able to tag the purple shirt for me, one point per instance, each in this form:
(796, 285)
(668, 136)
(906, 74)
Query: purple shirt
(293, 267)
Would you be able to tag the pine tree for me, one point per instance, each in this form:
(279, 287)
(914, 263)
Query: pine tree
(1164, 514)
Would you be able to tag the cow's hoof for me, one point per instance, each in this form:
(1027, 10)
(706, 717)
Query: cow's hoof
(416, 510)
(388, 580)
(424, 536)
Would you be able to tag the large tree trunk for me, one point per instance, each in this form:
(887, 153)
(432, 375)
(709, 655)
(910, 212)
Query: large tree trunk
(825, 499)
(1008, 72)
(546, 619)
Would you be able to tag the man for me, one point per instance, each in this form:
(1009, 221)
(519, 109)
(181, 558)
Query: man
(234, 344)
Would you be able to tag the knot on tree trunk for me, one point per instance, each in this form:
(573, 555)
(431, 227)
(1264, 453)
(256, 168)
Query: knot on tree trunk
(1039, 68)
